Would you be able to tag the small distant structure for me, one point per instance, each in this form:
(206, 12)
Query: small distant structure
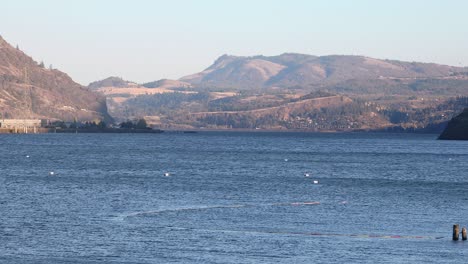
(22, 125)
(456, 234)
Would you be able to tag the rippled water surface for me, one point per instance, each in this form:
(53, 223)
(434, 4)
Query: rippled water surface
(232, 198)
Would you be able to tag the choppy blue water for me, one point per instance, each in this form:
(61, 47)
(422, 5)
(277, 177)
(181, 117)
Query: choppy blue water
(232, 198)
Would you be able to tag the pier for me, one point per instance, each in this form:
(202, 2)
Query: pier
(23, 126)
(456, 233)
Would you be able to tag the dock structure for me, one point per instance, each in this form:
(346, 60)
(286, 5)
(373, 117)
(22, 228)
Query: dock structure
(23, 126)
(456, 233)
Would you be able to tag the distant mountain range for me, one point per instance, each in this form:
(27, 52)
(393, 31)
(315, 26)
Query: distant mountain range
(297, 91)
(289, 91)
(350, 74)
(118, 82)
(29, 90)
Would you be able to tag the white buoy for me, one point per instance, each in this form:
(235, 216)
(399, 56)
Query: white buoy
(167, 174)
(27, 156)
(51, 173)
(306, 174)
(316, 182)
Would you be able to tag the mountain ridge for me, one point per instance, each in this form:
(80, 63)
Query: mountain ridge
(309, 71)
(270, 92)
(28, 90)
(112, 81)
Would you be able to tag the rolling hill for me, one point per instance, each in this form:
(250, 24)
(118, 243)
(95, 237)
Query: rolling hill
(336, 74)
(112, 82)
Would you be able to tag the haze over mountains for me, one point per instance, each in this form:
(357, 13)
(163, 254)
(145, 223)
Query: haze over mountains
(29, 90)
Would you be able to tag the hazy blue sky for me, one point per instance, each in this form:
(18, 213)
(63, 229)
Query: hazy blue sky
(146, 40)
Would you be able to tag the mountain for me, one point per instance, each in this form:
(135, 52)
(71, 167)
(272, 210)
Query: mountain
(167, 84)
(28, 90)
(117, 91)
(336, 73)
(297, 91)
(111, 82)
(236, 72)
(457, 128)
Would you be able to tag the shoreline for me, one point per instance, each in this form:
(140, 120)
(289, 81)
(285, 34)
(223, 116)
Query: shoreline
(297, 131)
(78, 130)
(194, 131)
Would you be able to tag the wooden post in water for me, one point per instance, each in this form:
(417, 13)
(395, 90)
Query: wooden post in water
(455, 232)
(464, 234)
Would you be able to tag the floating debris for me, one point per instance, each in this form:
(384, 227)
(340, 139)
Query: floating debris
(51, 173)
(167, 174)
(316, 182)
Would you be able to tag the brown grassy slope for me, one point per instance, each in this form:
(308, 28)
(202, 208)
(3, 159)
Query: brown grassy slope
(288, 115)
(28, 90)
(112, 82)
(314, 73)
(293, 108)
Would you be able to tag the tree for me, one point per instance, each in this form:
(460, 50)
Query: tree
(102, 124)
(41, 64)
(127, 124)
(141, 124)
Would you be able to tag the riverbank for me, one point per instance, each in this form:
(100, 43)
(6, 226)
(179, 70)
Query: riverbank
(41, 130)
(105, 130)
(24, 130)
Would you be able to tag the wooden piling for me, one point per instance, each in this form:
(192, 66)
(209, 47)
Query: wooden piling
(455, 232)
(464, 234)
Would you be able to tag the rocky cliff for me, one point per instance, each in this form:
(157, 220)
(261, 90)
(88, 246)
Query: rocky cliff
(457, 128)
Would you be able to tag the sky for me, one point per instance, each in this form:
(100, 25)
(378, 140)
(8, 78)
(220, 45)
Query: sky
(147, 40)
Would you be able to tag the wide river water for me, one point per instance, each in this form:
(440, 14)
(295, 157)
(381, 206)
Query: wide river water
(232, 198)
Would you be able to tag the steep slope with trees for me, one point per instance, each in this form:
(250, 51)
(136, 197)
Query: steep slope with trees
(28, 90)
(457, 128)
